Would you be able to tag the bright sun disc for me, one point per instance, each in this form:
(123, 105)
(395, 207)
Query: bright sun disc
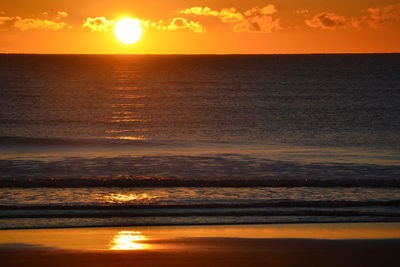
(128, 31)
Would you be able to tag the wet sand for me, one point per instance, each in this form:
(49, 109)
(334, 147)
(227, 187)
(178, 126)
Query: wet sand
(299, 245)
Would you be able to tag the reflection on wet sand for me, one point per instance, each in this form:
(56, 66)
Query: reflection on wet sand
(176, 237)
(128, 240)
(128, 137)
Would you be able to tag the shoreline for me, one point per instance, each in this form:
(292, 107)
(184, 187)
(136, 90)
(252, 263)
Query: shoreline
(350, 244)
(89, 238)
(205, 225)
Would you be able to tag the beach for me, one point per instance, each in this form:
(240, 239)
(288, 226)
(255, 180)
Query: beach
(364, 244)
(199, 160)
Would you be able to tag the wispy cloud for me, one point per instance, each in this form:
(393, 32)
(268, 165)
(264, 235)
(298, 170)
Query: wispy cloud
(302, 11)
(102, 24)
(4, 20)
(328, 21)
(255, 19)
(259, 20)
(25, 24)
(226, 14)
(39, 24)
(98, 24)
(62, 14)
(174, 24)
(373, 17)
(56, 15)
(378, 16)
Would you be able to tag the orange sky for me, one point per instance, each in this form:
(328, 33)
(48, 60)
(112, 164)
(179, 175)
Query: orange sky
(202, 26)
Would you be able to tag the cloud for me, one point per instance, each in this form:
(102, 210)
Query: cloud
(230, 15)
(102, 24)
(302, 11)
(374, 17)
(39, 24)
(226, 14)
(328, 21)
(32, 23)
(255, 19)
(98, 24)
(182, 23)
(62, 14)
(56, 15)
(6, 23)
(259, 20)
(267, 10)
(5, 20)
(25, 24)
(199, 11)
(175, 24)
(378, 16)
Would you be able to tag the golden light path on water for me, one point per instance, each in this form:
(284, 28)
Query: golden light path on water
(118, 198)
(129, 240)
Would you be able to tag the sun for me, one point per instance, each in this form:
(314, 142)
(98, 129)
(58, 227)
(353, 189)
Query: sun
(128, 31)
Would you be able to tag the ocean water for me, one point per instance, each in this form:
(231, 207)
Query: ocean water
(169, 140)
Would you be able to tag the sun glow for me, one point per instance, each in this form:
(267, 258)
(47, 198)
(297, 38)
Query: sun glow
(128, 31)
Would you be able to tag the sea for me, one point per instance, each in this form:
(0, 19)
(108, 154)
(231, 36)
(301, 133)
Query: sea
(142, 140)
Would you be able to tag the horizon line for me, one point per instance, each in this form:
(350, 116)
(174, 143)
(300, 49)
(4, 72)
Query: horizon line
(202, 54)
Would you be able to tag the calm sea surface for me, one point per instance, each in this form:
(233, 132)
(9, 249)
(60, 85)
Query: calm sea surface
(164, 140)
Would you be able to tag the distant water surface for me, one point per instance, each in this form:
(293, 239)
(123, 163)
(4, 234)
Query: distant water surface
(150, 140)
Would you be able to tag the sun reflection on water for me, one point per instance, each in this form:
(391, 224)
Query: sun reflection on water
(119, 198)
(128, 240)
